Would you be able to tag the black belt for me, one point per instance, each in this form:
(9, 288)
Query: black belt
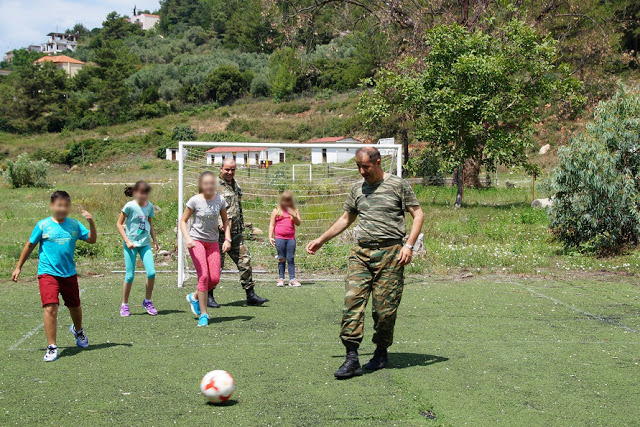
(379, 243)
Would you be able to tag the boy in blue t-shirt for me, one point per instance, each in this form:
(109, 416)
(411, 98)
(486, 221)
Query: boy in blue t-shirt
(57, 236)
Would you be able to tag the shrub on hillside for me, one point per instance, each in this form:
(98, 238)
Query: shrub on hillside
(292, 108)
(227, 83)
(260, 86)
(183, 133)
(597, 181)
(25, 172)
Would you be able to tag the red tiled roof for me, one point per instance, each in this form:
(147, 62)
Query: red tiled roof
(59, 59)
(235, 149)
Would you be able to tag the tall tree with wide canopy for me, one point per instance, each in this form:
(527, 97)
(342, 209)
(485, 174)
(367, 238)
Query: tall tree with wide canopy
(474, 95)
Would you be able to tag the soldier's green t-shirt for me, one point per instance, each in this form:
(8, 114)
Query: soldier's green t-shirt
(381, 208)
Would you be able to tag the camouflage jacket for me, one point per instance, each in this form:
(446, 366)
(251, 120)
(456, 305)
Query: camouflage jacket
(232, 193)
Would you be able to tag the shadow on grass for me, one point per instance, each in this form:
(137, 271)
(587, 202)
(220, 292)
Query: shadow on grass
(230, 402)
(229, 319)
(160, 312)
(404, 360)
(241, 303)
(71, 351)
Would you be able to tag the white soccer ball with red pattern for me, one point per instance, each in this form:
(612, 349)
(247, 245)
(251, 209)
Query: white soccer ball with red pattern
(217, 386)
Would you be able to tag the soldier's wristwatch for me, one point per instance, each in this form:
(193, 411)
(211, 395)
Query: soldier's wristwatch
(409, 246)
(228, 240)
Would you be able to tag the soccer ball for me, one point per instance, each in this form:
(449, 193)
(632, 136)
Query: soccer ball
(217, 386)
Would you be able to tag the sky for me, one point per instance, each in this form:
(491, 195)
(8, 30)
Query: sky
(28, 22)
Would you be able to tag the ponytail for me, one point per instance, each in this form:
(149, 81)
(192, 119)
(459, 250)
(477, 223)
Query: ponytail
(138, 186)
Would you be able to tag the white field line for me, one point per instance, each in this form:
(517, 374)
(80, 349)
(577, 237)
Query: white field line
(576, 309)
(30, 333)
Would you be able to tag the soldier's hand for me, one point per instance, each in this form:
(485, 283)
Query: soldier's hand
(314, 246)
(226, 246)
(405, 256)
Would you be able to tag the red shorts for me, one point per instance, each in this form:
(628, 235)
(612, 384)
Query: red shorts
(51, 286)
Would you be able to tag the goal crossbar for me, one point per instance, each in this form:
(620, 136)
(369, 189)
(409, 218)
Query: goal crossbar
(183, 145)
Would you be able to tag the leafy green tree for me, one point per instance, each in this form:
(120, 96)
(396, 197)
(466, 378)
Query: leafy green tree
(115, 63)
(227, 83)
(25, 172)
(178, 15)
(284, 67)
(115, 27)
(596, 185)
(474, 95)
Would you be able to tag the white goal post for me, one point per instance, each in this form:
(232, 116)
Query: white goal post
(262, 179)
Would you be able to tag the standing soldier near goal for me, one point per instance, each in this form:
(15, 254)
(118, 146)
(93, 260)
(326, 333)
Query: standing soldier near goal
(239, 252)
(376, 263)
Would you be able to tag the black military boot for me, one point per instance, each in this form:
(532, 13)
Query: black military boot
(379, 360)
(253, 299)
(350, 367)
(211, 301)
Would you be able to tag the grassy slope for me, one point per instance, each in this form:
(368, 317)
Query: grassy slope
(473, 352)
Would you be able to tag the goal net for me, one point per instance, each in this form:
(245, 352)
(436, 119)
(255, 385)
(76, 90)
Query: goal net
(320, 177)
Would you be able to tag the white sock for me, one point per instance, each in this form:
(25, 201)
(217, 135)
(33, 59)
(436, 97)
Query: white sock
(146, 300)
(125, 303)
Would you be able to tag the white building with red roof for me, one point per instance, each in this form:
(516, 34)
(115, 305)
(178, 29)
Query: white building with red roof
(246, 156)
(331, 154)
(146, 20)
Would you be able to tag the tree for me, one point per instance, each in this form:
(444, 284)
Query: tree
(178, 15)
(474, 95)
(284, 67)
(226, 83)
(596, 185)
(115, 63)
(116, 27)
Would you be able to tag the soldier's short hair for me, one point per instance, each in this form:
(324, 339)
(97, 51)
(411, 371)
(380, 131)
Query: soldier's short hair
(227, 160)
(371, 152)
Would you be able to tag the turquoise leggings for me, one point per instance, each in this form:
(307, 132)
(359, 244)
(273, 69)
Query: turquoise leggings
(130, 262)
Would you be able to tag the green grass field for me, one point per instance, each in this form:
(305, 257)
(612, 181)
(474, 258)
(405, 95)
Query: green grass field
(480, 351)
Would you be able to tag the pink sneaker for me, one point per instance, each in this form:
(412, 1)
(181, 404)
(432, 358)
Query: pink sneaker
(294, 283)
(280, 283)
(124, 310)
(148, 305)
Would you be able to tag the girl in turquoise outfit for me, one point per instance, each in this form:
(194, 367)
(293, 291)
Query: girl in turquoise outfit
(135, 225)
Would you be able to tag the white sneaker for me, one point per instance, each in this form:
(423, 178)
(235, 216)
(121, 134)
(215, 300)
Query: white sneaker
(294, 283)
(51, 354)
(280, 283)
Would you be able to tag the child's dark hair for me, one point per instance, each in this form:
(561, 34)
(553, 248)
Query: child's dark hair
(202, 175)
(138, 186)
(60, 194)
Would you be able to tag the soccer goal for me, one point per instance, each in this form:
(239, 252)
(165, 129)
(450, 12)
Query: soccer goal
(319, 175)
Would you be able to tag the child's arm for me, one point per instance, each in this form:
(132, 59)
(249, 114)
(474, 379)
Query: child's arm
(272, 228)
(183, 227)
(93, 232)
(26, 252)
(295, 214)
(152, 231)
(227, 230)
(120, 226)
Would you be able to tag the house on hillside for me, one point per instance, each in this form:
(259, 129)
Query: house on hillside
(59, 42)
(172, 154)
(70, 65)
(8, 56)
(146, 20)
(330, 154)
(5, 72)
(247, 156)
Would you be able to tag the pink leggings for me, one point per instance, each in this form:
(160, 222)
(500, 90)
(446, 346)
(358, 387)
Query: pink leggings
(206, 260)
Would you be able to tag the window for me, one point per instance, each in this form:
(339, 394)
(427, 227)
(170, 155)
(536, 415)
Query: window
(281, 157)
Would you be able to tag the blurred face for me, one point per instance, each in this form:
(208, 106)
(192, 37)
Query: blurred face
(286, 202)
(371, 171)
(60, 208)
(142, 197)
(208, 186)
(228, 170)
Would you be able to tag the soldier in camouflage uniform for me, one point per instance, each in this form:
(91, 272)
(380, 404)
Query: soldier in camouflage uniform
(239, 252)
(376, 263)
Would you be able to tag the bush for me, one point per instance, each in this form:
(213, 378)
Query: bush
(292, 108)
(597, 181)
(183, 133)
(25, 172)
(227, 83)
(260, 86)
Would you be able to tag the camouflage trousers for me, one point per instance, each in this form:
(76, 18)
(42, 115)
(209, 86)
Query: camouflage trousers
(374, 272)
(239, 254)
